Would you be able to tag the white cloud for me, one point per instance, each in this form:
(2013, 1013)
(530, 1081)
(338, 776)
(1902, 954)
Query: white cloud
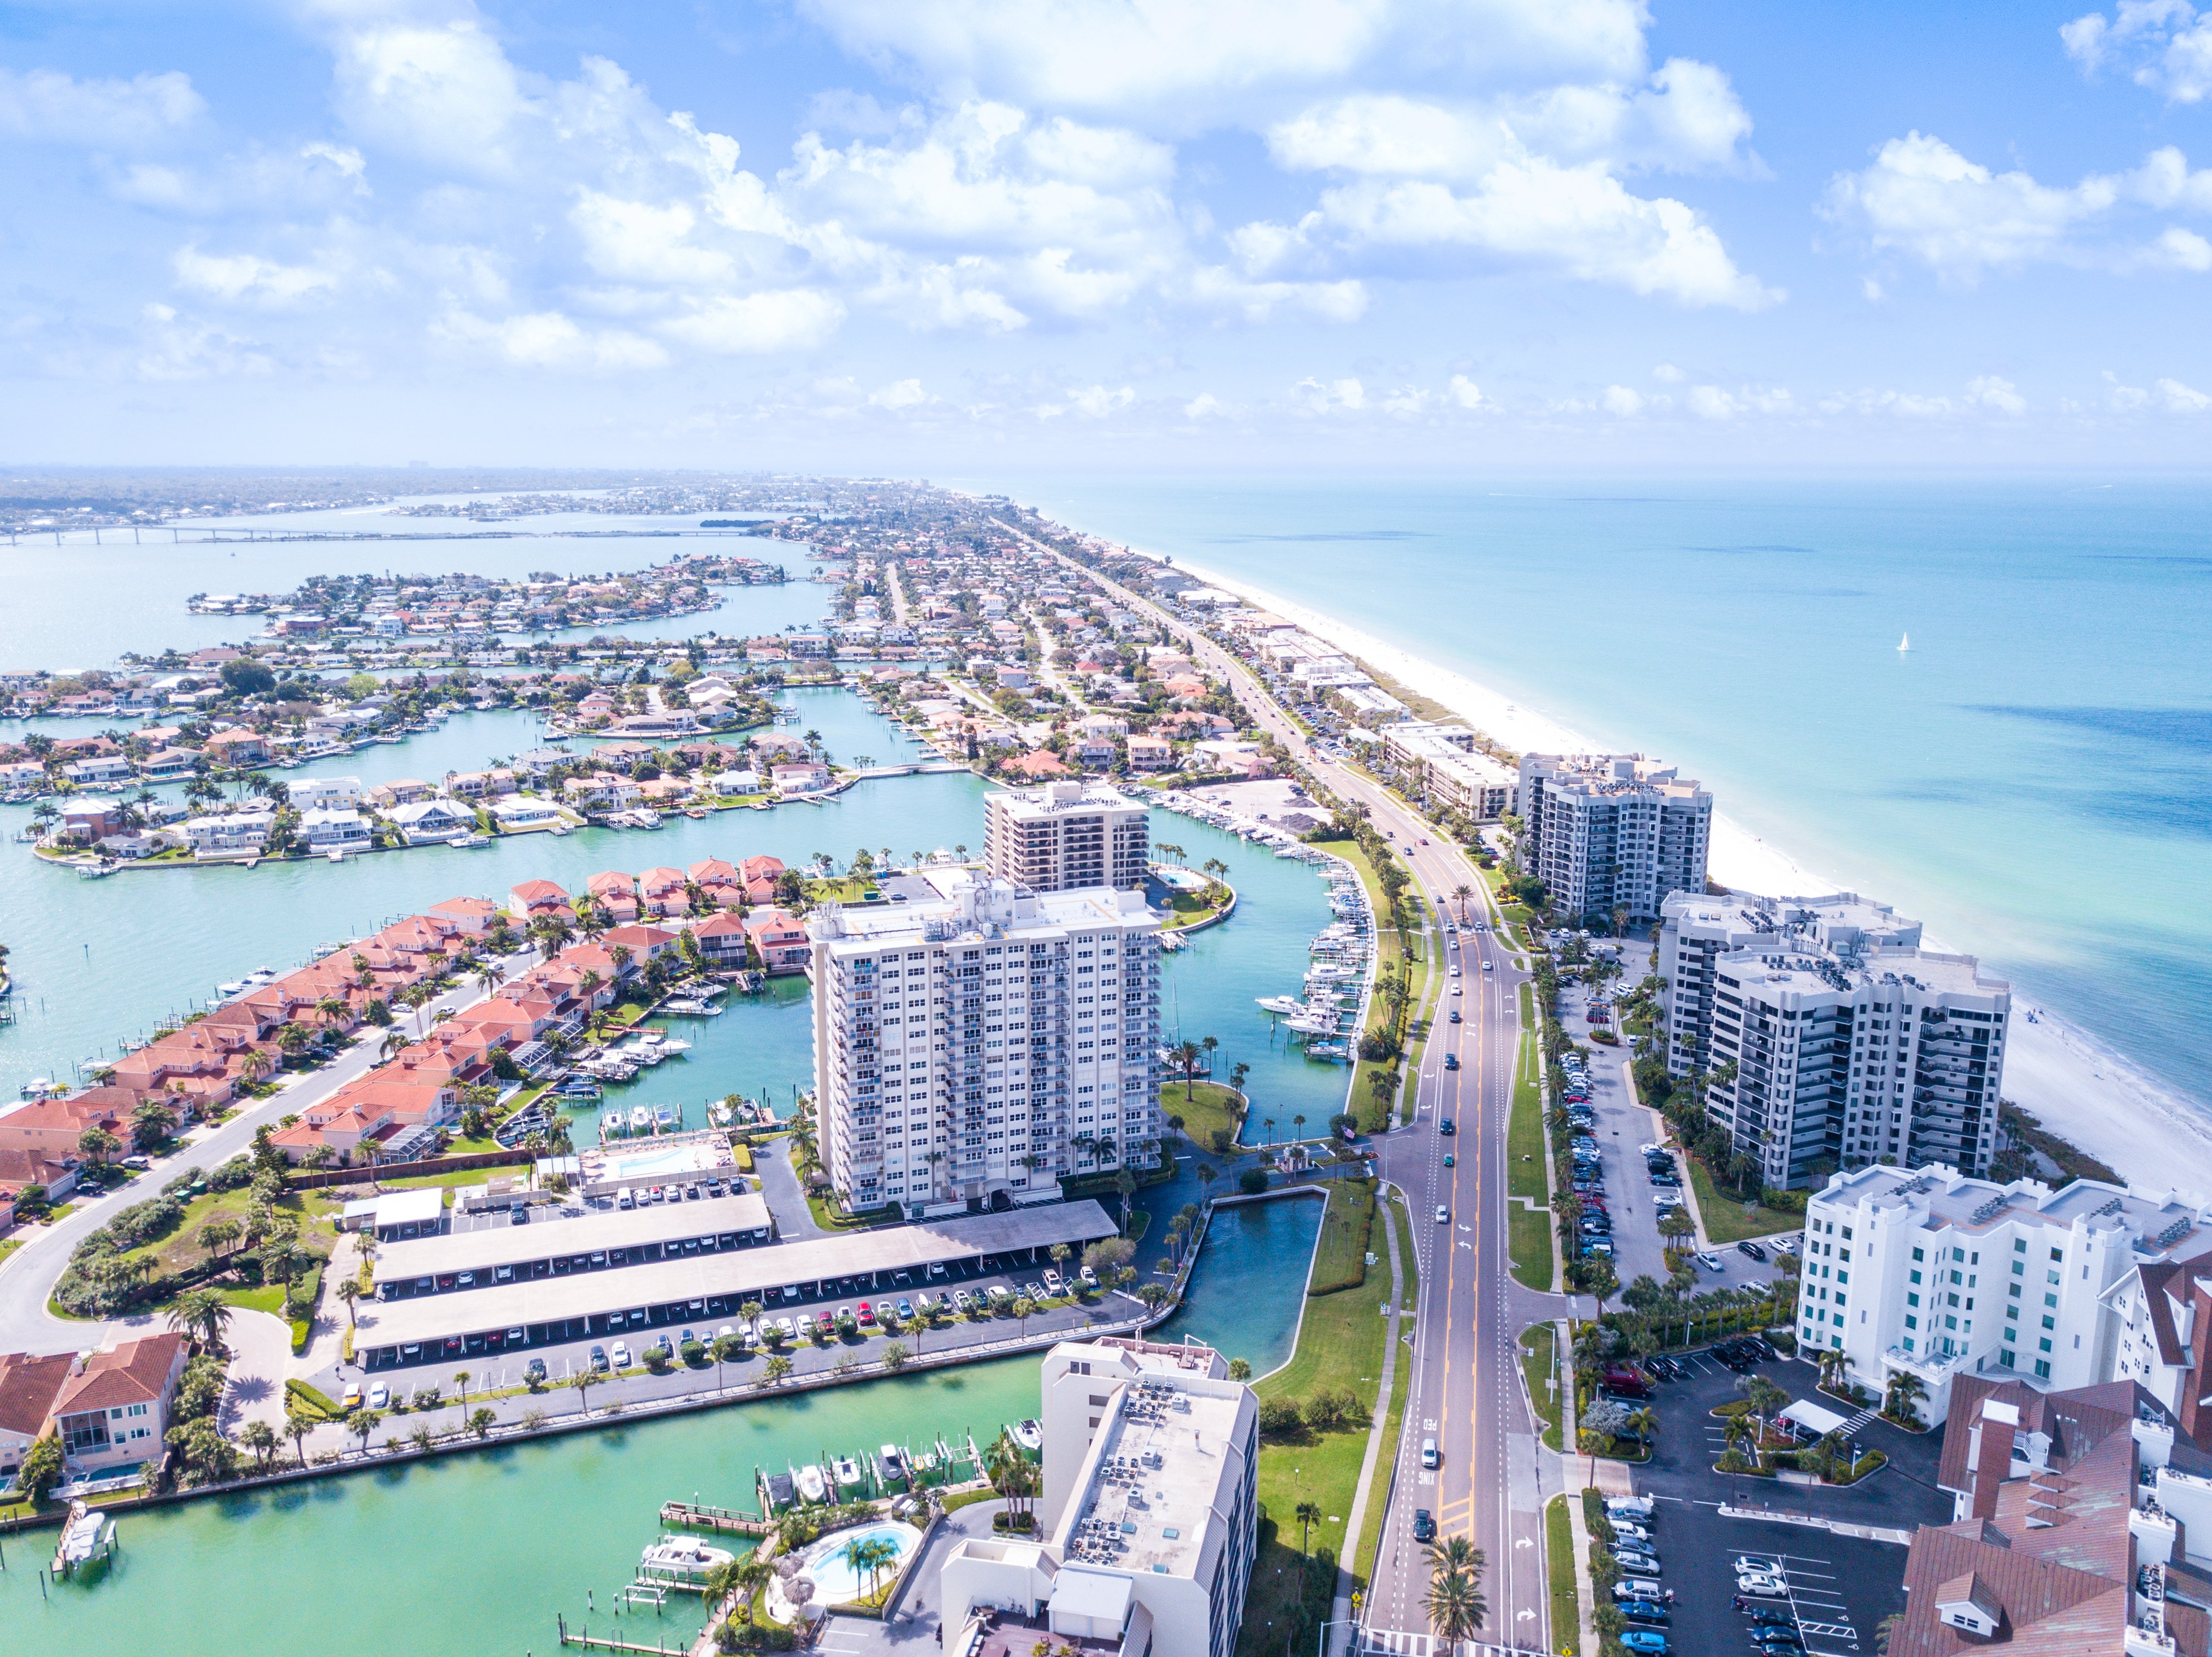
(2165, 44)
(548, 339)
(248, 278)
(1711, 403)
(2122, 399)
(1667, 374)
(1923, 199)
(1465, 393)
(177, 348)
(641, 241)
(1205, 406)
(1581, 221)
(796, 318)
(1996, 395)
(1622, 401)
(46, 104)
(441, 93)
(2183, 399)
(900, 394)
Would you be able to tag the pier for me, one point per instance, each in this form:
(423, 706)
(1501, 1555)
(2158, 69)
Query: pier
(696, 1516)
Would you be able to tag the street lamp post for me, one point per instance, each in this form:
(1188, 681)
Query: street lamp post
(1321, 1646)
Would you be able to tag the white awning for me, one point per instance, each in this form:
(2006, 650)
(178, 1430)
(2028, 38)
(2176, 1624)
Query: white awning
(1814, 1418)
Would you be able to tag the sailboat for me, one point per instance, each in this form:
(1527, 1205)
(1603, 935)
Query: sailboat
(1905, 644)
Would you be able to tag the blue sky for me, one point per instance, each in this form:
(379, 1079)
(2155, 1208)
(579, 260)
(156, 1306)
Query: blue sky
(861, 234)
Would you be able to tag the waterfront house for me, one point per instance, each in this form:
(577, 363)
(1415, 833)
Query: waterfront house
(781, 939)
(91, 822)
(101, 770)
(1095, 752)
(1239, 758)
(534, 764)
(112, 1408)
(1040, 763)
(1151, 754)
(473, 915)
(334, 830)
(237, 746)
(23, 1170)
(400, 791)
(520, 814)
(480, 785)
(50, 1128)
(808, 778)
(28, 1386)
(759, 872)
(229, 834)
(429, 822)
(134, 844)
(529, 899)
(718, 882)
(169, 765)
(722, 937)
(21, 774)
(602, 791)
(615, 893)
(331, 793)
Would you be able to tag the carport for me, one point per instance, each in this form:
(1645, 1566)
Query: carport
(1814, 1418)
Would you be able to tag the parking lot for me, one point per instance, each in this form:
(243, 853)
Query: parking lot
(1836, 1589)
(1621, 1129)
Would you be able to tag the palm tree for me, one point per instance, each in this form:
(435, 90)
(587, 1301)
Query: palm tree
(1023, 1308)
(361, 1422)
(461, 1379)
(202, 1313)
(1455, 1605)
(1462, 892)
(870, 1554)
(297, 1425)
(348, 1290)
(583, 1380)
(394, 1042)
(1308, 1513)
(1187, 1054)
(775, 1369)
(259, 1437)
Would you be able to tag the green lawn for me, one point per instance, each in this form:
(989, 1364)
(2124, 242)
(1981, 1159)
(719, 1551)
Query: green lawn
(1560, 1568)
(1528, 1169)
(460, 1176)
(1528, 1236)
(1400, 1386)
(1729, 1221)
(9, 1246)
(1347, 1237)
(1341, 1345)
(1537, 1343)
(180, 1250)
(1208, 1108)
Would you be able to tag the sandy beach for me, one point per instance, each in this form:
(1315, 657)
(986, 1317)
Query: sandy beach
(2076, 1085)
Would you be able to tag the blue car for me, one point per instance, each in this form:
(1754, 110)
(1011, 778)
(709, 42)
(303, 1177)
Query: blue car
(1644, 1610)
(1645, 1641)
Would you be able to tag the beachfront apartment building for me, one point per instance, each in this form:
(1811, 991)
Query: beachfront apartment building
(1831, 1039)
(1941, 1275)
(1148, 1519)
(1444, 761)
(1064, 836)
(1611, 832)
(972, 1049)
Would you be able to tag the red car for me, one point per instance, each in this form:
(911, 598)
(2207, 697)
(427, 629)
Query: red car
(867, 1312)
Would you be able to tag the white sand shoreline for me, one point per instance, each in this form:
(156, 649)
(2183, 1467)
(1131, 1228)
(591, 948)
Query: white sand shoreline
(2078, 1086)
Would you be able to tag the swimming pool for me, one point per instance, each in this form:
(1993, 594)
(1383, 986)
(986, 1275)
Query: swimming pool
(835, 1582)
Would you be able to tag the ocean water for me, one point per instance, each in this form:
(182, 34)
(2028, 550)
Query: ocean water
(2033, 779)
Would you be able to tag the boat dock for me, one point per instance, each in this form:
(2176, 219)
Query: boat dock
(698, 1516)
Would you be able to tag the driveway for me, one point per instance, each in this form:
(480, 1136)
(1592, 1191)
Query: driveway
(794, 1221)
(260, 1352)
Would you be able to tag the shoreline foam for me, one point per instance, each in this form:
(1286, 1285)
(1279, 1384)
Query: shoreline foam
(2078, 1086)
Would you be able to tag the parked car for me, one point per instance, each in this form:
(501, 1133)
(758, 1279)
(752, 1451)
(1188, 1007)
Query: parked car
(1762, 1586)
(534, 1371)
(1649, 1612)
(1709, 1260)
(1747, 1246)
(1634, 1559)
(621, 1355)
(1646, 1642)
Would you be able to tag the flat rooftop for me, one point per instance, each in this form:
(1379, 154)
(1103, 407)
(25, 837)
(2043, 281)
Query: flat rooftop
(504, 1243)
(1155, 1476)
(740, 1273)
(1978, 1206)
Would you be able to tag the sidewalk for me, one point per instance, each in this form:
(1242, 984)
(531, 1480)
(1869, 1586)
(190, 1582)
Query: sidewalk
(1340, 1610)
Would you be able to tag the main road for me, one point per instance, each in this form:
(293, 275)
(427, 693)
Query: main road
(1465, 1391)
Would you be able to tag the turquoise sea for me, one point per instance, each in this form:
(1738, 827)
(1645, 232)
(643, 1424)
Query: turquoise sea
(2033, 779)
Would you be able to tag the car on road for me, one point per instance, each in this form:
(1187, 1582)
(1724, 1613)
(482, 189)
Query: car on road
(1445, 1127)
(1457, 988)
(1429, 1456)
(1425, 1526)
(1444, 1214)
(1455, 1017)
(1486, 965)
(1709, 1260)
(1451, 1061)
(1448, 1159)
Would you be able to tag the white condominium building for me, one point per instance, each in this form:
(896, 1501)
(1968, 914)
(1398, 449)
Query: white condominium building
(1831, 1042)
(1611, 831)
(1455, 774)
(970, 1051)
(1149, 1519)
(1939, 1275)
(1066, 835)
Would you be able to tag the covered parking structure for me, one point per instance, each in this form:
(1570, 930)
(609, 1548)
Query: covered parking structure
(489, 1255)
(508, 1316)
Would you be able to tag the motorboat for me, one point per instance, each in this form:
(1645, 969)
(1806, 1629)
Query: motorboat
(666, 1118)
(687, 1556)
(891, 1461)
(640, 1118)
(671, 1047)
(613, 1125)
(813, 1489)
(847, 1470)
(1287, 1005)
(1029, 1434)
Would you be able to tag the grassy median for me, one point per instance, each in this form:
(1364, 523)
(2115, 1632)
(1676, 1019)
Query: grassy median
(1559, 1570)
